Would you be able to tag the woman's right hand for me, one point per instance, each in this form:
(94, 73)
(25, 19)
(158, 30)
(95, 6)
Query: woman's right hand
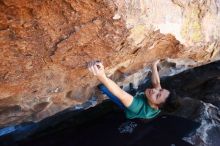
(97, 68)
(155, 63)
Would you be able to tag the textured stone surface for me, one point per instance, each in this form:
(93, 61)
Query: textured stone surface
(199, 100)
(192, 105)
(45, 46)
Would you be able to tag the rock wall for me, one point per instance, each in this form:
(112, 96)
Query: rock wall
(46, 45)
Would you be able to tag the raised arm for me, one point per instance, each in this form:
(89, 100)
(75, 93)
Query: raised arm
(155, 75)
(98, 70)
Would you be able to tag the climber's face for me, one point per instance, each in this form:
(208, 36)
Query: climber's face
(156, 95)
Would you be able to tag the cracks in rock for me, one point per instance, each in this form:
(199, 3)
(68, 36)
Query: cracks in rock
(88, 22)
(70, 6)
(217, 8)
(55, 46)
(3, 29)
(4, 76)
(202, 12)
(178, 3)
(215, 50)
(3, 3)
(136, 50)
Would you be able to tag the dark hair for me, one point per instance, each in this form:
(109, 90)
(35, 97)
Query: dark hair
(171, 103)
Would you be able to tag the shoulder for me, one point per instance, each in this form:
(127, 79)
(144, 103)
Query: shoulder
(137, 103)
(141, 97)
(140, 94)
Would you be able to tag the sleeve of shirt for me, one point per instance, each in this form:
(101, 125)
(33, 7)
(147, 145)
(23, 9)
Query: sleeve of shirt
(136, 104)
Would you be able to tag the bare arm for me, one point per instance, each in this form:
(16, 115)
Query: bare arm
(98, 70)
(155, 75)
(123, 96)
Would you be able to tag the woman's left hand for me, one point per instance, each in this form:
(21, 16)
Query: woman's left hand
(97, 68)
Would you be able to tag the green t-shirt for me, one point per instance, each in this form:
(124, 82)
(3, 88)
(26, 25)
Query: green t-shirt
(140, 108)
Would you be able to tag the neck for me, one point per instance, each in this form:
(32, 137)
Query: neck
(153, 105)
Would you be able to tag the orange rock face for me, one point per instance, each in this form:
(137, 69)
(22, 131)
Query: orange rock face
(46, 45)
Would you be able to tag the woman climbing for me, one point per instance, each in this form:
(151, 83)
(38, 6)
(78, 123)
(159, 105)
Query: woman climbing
(145, 105)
